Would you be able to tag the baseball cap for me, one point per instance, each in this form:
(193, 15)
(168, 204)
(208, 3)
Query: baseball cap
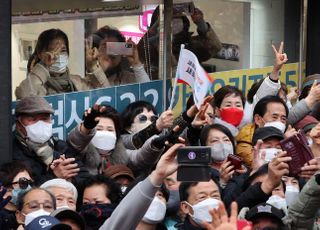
(68, 214)
(310, 79)
(265, 210)
(265, 133)
(46, 223)
(114, 171)
(307, 123)
(33, 105)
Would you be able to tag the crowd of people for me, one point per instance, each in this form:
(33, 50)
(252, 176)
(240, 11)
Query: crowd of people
(119, 170)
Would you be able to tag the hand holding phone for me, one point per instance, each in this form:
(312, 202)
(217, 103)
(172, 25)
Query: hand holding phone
(119, 48)
(297, 148)
(235, 161)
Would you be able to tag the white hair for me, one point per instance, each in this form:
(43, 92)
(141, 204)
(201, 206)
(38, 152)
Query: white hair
(61, 183)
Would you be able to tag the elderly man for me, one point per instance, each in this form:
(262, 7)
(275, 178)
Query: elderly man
(64, 191)
(34, 144)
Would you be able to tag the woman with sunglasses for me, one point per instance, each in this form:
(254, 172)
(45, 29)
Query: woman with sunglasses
(48, 71)
(140, 122)
(16, 178)
(99, 141)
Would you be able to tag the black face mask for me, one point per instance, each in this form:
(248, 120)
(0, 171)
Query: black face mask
(96, 214)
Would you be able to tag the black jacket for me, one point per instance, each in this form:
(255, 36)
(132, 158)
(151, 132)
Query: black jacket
(8, 220)
(186, 225)
(40, 171)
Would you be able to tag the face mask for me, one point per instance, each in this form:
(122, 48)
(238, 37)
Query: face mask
(220, 151)
(32, 215)
(291, 194)
(104, 140)
(60, 66)
(136, 127)
(63, 207)
(232, 115)
(277, 124)
(156, 212)
(277, 202)
(173, 203)
(177, 25)
(16, 192)
(270, 153)
(39, 132)
(96, 214)
(201, 210)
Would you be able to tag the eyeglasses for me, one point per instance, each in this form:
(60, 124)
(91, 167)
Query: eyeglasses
(23, 182)
(35, 205)
(143, 118)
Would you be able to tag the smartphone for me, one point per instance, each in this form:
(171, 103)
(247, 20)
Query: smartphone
(235, 161)
(119, 48)
(194, 155)
(297, 148)
(194, 163)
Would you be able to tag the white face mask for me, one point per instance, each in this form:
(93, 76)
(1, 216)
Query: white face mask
(137, 127)
(156, 212)
(104, 140)
(277, 202)
(63, 207)
(276, 124)
(60, 66)
(220, 151)
(291, 194)
(32, 215)
(39, 132)
(201, 210)
(270, 153)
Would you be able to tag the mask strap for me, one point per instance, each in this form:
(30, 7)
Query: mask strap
(187, 203)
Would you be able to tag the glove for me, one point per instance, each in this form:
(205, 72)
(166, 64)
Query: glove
(3, 201)
(171, 137)
(89, 119)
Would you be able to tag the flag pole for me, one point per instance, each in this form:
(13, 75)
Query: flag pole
(173, 92)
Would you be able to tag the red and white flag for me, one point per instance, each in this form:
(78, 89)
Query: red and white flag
(190, 72)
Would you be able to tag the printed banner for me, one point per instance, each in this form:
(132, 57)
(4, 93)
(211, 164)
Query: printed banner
(69, 107)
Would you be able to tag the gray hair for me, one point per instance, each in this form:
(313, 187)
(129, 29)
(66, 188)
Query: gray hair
(61, 183)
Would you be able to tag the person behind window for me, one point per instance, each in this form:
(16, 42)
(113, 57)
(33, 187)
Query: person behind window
(204, 45)
(115, 69)
(48, 72)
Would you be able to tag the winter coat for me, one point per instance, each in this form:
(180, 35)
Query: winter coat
(244, 144)
(38, 83)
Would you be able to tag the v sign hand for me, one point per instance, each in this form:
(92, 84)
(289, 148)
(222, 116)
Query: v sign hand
(280, 58)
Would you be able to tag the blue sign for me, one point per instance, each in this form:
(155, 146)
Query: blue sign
(69, 107)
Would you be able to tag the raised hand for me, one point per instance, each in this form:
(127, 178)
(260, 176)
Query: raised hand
(92, 54)
(221, 221)
(134, 59)
(279, 56)
(277, 168)
(165, 120)
(91, 116)
(65, 168)
(166, 165)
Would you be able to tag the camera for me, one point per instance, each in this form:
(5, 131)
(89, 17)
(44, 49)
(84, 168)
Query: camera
(194, 163)
(119, 48)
